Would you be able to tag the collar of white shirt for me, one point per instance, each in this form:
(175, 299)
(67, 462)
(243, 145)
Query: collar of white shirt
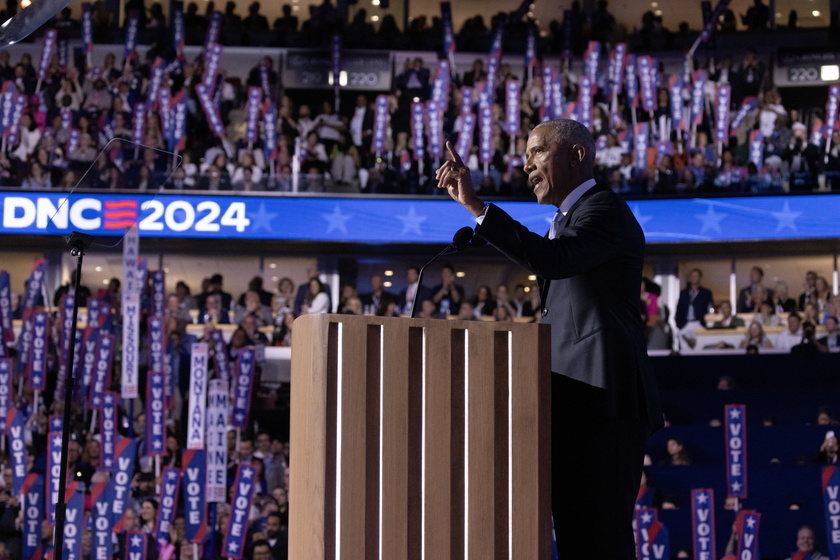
(575, 195)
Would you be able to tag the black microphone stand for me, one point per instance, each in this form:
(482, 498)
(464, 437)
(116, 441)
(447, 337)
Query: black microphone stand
(78, 243)
(463, 239)
(448, 250)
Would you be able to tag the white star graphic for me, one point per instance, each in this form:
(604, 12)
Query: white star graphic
(736, 486)
(711, 220)
(57, 423)
(734, 413)
(157, 445)
(411, 222)
(239, 417)
(786, 218)
(247, 473)
(262, 219)
(56, 442)
(702, 498)
(646, 517)
(233, 547)
(172, 476)
(337, 220)
(639, 217)
(136, 540)
(751, 522)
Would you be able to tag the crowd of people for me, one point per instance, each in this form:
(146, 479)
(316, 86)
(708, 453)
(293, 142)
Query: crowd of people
(73, 112)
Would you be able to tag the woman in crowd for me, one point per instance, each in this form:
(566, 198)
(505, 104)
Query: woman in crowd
(677, 454)
(756, 337)
(36, 178)
(317, 300)
(148, 515)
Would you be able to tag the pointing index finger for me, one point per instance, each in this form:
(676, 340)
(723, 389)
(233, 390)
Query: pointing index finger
(455, 157)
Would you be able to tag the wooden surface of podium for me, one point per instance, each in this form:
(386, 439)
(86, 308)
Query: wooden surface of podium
(419, 439)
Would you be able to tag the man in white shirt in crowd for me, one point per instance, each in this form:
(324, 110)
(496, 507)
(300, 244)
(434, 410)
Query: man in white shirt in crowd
(792, 336)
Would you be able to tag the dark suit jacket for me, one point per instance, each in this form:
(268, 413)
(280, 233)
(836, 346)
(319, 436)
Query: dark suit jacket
(700, 304)
(589, 279)
(744, 304)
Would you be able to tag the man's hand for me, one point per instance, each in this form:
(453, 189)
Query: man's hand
(454, 176)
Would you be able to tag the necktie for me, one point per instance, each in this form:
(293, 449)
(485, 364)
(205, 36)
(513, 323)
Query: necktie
(555, 224)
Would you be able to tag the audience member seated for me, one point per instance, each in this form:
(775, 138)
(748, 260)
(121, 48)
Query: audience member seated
(676, 453)
(484, 305)
(831, 340)
(376, 302)
(727, 319)
(213, 313)
(755, 337)
(447, 295)
(782, 302)
(809, 343)
(791, 336)
(317, 300)
(255, 309)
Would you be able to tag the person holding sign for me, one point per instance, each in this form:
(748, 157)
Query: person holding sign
(604, 398)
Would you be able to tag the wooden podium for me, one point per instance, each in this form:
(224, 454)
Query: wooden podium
(419, 439)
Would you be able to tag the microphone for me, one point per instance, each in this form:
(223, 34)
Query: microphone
(464, 238)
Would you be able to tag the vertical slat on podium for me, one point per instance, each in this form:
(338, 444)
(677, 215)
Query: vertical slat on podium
(441, 345)
(312, 527)
(372, 482)
(481, 453)
(401, 441)
(501, 377)
(531, 444)
(353, 454)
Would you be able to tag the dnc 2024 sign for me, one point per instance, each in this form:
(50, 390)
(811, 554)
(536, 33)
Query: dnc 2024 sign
(380, 220)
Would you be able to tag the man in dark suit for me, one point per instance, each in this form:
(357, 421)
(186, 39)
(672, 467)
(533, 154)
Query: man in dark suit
(748, 297)
(693, 304)
(413, 291)
(604, 399)
(378, 300)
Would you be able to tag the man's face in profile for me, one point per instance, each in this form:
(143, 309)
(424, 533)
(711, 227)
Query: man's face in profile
(546, 164)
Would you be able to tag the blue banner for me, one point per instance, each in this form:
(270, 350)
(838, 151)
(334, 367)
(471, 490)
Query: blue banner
(74, 517)
(703, 523)
(434, 110)
(446, 21)
(218, 350)
(195, 504)
(757, 149)
(15, 422)
(73, 140)
(630, 82)
(380, 124)
(211, 112)
(168, 503)
(108, 429)
(831, 109)
(37, 368)
(736, 450)
(252, 114)
(6, 368)
(13, 131)
(557, 99)
(710, 26)
(213, 28)
(87, 362)
(47, 49)
(830, 485)
(615, 70)
(158, 293)
(125, 454)
(177, 140)
(640, 145)
(135, 545)
(591, 58)
(440, 84)
(33, 515)
(156, 342)
(465, 136)
(659, 542)
(747, 106)
(467, 101)
(53, 474)
(585, 93)
(512, 110)
(237, 529)
(675, 90)
(138, 123)
(418, 118)
(217, 421)
(485, 134)
(178, 33)
(698, 104)
(130, 50)
(212, 59)
(101, 495)
(531, 46)
(156, 85)
(724, 99)
(87, 29)
(5, 307)
(155, 415)
(270, 131)
(648, 88)
(644, 519)
(243, 386)
(335, 59)
(748, 534)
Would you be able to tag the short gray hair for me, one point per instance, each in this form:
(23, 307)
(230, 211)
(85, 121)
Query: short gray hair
(568, 132)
